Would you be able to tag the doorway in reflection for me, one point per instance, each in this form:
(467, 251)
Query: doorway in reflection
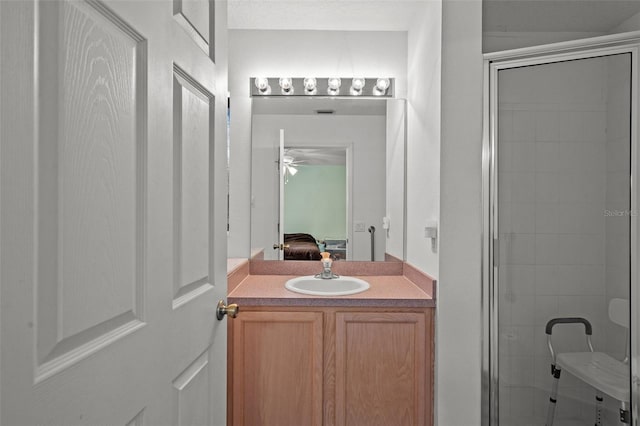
(315, 198)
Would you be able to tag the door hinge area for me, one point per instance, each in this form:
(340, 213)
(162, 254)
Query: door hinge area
(625, 417)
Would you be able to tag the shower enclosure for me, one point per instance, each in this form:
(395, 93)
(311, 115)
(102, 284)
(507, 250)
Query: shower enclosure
(560, 224)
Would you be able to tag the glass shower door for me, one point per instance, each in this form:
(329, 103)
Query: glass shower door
(563, 224)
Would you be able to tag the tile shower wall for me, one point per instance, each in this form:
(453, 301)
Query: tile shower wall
(618, 203)
(557, 171)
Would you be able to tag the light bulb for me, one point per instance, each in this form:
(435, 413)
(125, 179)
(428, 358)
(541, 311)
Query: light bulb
(382, 84)
(356, 86)
(333, 84)
(287, 85)
(310, 86)
(358, 83)
(262, 84)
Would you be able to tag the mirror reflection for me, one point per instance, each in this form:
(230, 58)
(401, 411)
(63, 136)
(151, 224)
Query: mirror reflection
(313, 224)
(328, 175)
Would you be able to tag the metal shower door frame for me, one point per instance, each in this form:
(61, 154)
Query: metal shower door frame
(538, 55)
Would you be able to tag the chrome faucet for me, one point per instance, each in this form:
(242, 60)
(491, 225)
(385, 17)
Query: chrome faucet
(326, 273)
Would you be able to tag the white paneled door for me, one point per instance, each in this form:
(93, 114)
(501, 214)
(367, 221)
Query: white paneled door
(112, 212)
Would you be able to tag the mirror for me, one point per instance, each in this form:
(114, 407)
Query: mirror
(328, 174)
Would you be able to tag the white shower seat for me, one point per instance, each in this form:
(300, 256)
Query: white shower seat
(602, 372)
(599, 370)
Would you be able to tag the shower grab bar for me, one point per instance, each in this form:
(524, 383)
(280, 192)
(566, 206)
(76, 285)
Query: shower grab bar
(372, 231)
(588, 331)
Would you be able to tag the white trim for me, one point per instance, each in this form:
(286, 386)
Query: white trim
(559, 57)
(281, 195)
(486, 408)
(566, 46)
(349, 212)
(634, 296)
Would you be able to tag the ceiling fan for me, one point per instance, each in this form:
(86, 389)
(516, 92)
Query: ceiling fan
(296, 156)
(289, 165)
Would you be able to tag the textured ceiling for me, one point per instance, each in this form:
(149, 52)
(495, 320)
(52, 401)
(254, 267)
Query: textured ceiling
(556, 15)
(397, 15)
(339, 15)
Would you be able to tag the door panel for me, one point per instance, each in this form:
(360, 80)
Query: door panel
(193, 112)
(111, 233)
(195, 17)
(89, 291)
(191, 394)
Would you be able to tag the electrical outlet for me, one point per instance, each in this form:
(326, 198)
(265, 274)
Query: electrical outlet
(358, 226)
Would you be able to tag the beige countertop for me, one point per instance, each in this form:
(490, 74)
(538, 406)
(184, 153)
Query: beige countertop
(385, 291)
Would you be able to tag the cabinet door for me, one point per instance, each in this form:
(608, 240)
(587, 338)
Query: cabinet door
(382, 368)
(277, 368)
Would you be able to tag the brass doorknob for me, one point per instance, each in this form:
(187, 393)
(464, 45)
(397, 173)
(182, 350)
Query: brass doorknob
(280, 246)
(222, 310)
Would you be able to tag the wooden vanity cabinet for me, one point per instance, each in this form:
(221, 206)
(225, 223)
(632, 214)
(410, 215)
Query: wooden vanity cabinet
(276, 368)
(331, 366)
(381, 368)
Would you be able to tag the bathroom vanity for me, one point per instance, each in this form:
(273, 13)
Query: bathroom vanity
(361, 359)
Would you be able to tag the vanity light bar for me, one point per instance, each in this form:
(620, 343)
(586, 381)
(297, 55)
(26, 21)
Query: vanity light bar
(344, 87)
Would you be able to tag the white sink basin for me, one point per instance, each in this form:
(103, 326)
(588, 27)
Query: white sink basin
(334, 287)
